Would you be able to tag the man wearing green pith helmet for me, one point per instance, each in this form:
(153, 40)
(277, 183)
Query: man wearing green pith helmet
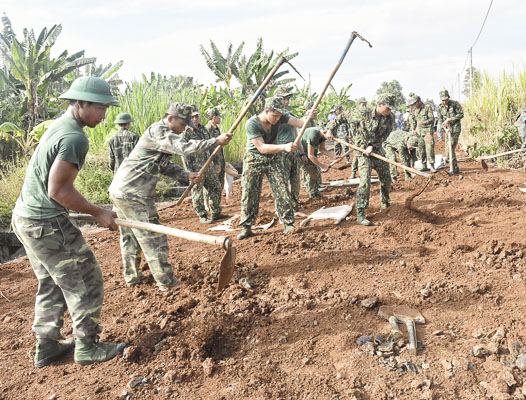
(122, 142)
(68, 274)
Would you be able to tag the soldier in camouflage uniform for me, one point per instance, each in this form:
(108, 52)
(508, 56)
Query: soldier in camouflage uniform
(133, 189)
(341, 129)
(403, 143)
(68, 274)
(422, 122)
(210, 188)
(373, 128)
(520, 123)
(262, 158)
(312, 140)
(122, 142)
(449, 115)
(214, 119)
(291, 160)
(362, 105)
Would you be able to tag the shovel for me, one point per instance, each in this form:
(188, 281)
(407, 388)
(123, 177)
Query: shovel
(483, 162)
(387, 313)
(226, 269)
(410, 317)
(409, 200)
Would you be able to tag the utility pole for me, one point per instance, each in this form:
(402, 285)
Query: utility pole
(471, 71)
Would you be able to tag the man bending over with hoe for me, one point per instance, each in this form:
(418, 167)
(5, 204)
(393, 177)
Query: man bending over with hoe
(262, 158)
(133, 188)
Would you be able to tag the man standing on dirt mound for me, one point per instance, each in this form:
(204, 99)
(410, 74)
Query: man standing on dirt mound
(133, 191)
(373, 128)
(449, 115)
(210, 188)
(262, 158)
(362, 105)
(68, 273)
(122, 142)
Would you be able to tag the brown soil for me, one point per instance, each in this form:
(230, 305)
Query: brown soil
(459, 258)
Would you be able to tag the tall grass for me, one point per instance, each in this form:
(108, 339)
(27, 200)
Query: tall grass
(491, 112)
(11, 180)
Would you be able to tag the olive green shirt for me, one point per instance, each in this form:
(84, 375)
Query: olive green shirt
(64, 140)
(255, 129)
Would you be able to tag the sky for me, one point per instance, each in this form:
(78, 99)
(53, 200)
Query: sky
(422, 44)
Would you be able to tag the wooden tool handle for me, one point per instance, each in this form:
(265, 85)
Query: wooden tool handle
(395, 330)
(235, 125)
(500, 154)
(415, 171)
(221, 241)
(411, 332)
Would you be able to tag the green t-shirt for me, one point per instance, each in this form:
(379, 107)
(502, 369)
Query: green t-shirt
(64, 140)
(255, 129)
(313, 137)
(286, 133)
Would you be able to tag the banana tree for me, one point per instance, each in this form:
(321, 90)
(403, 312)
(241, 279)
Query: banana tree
(223, 67)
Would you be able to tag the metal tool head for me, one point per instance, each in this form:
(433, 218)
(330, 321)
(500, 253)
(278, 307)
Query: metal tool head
(409, 199)
(484, 165)
(405, 313)
(385, 311)
(226, 269)
(362, 38)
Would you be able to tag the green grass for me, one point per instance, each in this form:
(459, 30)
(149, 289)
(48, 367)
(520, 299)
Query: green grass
(11, 181)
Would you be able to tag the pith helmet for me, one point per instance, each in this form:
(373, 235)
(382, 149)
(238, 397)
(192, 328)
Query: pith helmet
(123, 118)
(90, 88)
(388, 99)
(283, 91)
(211, 112)
(274, 103)
(180, 110)
(444, 95)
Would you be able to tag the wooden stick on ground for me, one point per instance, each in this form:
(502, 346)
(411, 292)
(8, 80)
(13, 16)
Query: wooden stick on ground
(1, 294)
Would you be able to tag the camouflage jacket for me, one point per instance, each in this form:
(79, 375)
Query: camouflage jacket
(213, 132)
(425, 116)
(354, 121)
(453, 111)
(397, 139)
(373, 129)
(339, 126)
(194, 162)
(121, 145)
(139, 173)
(520, 121)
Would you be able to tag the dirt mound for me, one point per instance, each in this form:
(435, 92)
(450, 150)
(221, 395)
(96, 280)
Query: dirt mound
(287, 326)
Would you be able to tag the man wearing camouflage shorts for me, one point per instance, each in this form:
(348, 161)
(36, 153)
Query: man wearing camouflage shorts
(422, 124)
(133, 190)
(262, 158)
(122, 142)
(68, 273)
(214, 119)
(450, 114)
(373, 128)
(403, 143)
(210, 188)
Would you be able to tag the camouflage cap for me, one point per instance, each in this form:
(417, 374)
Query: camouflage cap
(274, 103)
(309, 105)
(361, 100)
(195, 110)
(338, 107)
(283, 91)
(412, 141)
(123, 118)
(211, 112)
(180, 110)
(387, 99)
(412, 100)
(92, 89)
(444, 95)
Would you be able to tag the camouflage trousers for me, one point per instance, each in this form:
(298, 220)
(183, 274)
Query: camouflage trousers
(426, 152)
(153, 245)
(291, 169)
(354, 166)
(68, 276)
(405, 158)
(340, 148)
(312, 184)
(255, 166)
(221, 176)
(453, 158)
(210, 188)
(365, 165)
